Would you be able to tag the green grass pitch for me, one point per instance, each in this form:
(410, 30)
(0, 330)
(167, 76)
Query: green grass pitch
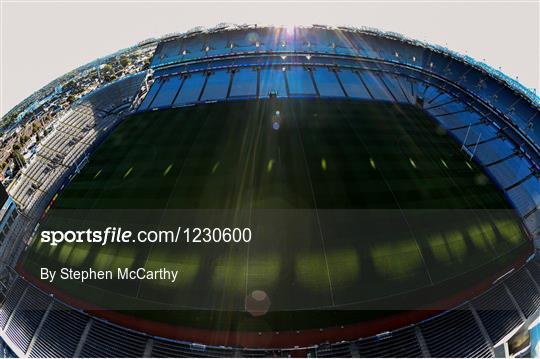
(358, 210)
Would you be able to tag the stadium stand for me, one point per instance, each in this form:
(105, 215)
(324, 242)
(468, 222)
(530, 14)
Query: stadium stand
(401, 343)
(342, 350)
(446, 333)
(30, 311)
(523, 289)
(15, 293)
(62, 322)
(498, 313)
(72, 138)
(45, 327)
(98, 342)
(163, 348)
(74, 134)
(487, 113)
(492, 117)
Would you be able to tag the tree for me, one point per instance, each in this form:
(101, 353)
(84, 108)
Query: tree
(69, 84)
(107, 69)
(35, 127)
(18, 159)
(146, 64)
(124, 61)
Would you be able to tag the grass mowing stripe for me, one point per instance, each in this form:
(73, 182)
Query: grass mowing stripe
(323, 164)
(128, 172)
(215, 167)
(167, 170)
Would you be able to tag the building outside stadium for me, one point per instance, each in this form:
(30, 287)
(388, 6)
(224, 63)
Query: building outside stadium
(8, 215)
(364, 194)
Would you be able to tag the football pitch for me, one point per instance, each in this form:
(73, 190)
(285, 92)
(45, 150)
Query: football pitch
(357, 210)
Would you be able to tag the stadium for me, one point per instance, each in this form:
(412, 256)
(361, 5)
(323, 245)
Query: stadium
(386, 194)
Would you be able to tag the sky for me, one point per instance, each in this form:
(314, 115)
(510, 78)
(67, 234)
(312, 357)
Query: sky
(41, 40)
